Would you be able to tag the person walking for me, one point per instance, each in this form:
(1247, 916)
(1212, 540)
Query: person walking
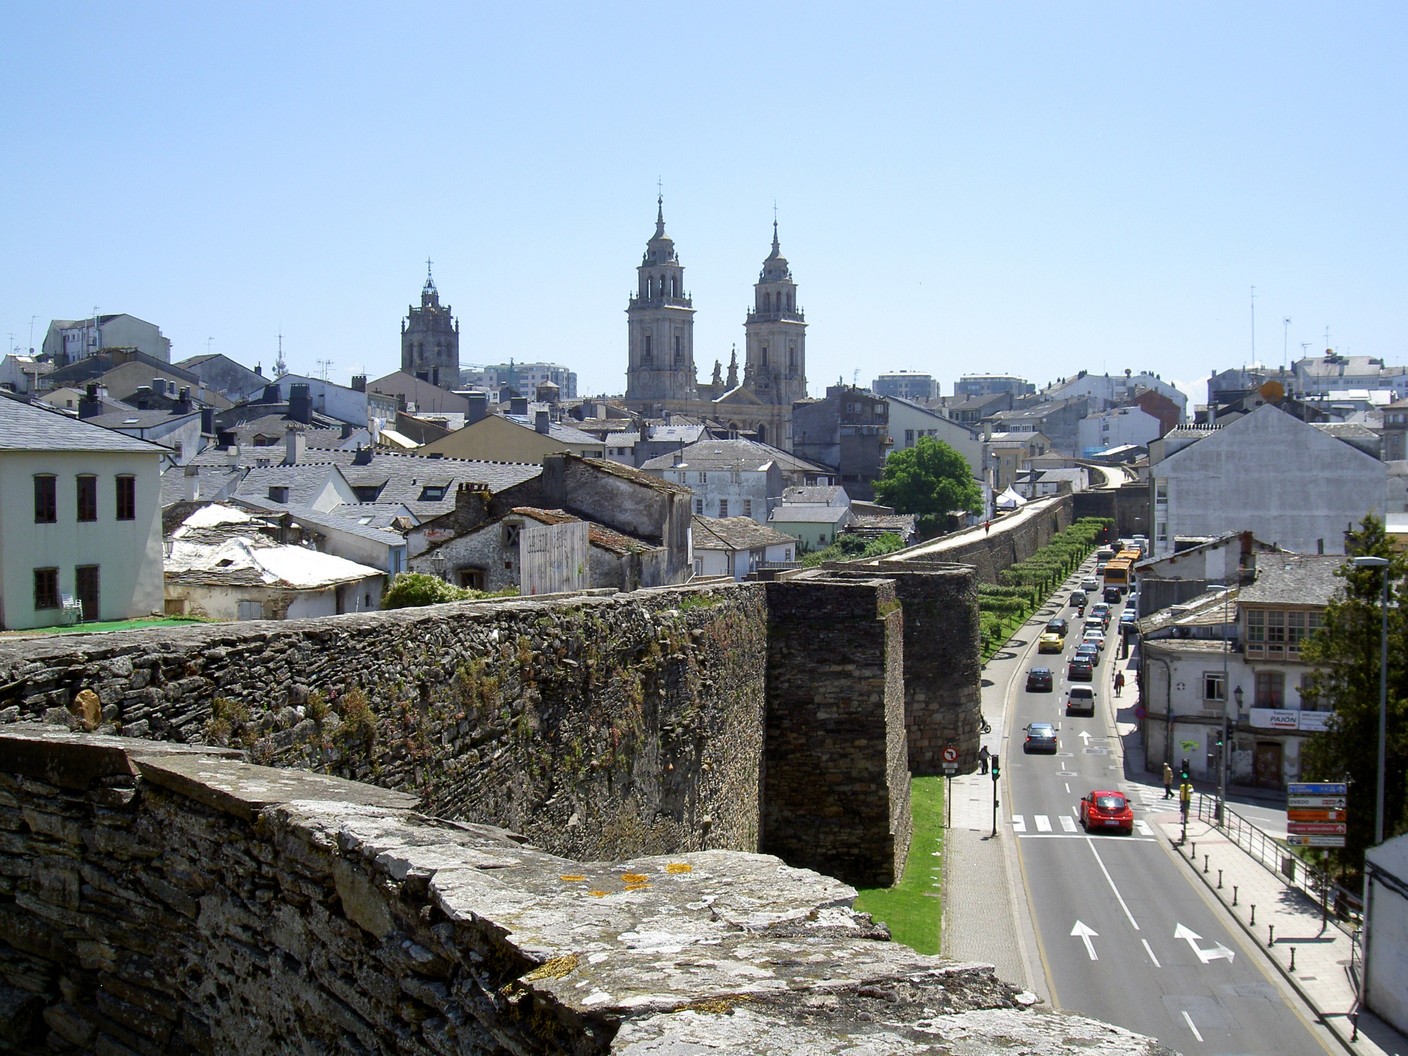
(1168, 781)
(983, 758)
(1119, 682)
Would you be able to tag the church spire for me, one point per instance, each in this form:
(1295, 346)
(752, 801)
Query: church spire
(660, 215)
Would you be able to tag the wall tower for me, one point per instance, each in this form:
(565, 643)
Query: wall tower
(776, 334)
(430, 339)
(660, 324)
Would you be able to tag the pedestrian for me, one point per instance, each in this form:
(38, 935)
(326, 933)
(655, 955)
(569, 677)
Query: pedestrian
(1119, 682)
(987, 527)
(1168, 781)
(983, 758)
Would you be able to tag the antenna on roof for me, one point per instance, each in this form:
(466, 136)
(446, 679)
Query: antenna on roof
(324, 364)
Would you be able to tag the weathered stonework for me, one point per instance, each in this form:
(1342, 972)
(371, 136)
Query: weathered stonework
(165, 899)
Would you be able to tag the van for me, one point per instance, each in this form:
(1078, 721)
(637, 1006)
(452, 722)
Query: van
(1080, 701)
(1105, 553)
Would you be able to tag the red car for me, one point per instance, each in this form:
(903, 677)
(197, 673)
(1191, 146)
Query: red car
(1106, 809)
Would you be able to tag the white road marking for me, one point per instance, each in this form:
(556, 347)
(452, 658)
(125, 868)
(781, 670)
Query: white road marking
(1143, 828)
(1149, 950)
(1215, 952)
(1189, 1020)
(1043, 823)
(1086, 933)
(1110, 880)
(1019, 823)
(1068, 823)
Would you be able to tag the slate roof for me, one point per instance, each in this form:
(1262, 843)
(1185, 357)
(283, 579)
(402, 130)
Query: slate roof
(736, 533)
(597, 534)
(809, 514)
(135, 419)
(564, 434)
(27, 428)
(1295, 579)
(815, 495)
(709, 455)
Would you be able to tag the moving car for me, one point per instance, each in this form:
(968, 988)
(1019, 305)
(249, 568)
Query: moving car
(1050, 642)
(1090, 584)
(1106, 809)
(1058, 625)
(1127, 619)
(1078, 598)
(1039, 680)
(1112, 595)
(1080, 701)
(1090, 651)
(1093, 637)
(1041, 737)
(1080, 669)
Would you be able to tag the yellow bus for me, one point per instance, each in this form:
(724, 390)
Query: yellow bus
(1119, 572)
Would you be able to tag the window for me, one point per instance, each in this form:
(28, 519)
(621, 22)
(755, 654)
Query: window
(747, 507)
(1213, 687)
(1270, 689)
(46, 499)
(699, 507)
(46, 588)
(1278, 633)
(723, 507)
(433, 493)
(126, 497)
(87, 497)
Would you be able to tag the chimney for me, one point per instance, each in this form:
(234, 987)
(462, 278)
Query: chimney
(300, 404)
(295, 444)
(346, 430)
(518, 405)
(207, 421)
(542, 421)
(359, 383)
(225, 438)
(159, 386)
(363, 456)
(191, 483)
(183, 402)
(91, 403)
(478, 407)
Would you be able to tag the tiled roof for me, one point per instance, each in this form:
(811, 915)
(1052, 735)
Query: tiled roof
(814, 495)
(597, 534)
(27, 428)
(1294, 579)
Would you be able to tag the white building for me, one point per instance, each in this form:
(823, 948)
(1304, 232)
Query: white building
(909, 423)
(738, 547)
(1116, 427)
(69, 340)
(729, 478)
(1291, 484)
(1105, 390)
(81, 519)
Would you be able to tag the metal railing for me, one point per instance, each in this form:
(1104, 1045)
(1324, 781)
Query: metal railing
(1281, 860)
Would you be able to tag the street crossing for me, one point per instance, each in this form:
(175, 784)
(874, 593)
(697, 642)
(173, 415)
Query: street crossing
(1041, 825)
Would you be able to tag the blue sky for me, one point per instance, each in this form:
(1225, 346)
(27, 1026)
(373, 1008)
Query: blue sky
(1015, 188)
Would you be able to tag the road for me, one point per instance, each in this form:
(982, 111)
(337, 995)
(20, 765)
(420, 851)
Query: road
(1123, 933)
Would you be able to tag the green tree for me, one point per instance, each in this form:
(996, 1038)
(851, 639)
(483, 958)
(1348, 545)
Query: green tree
(931, 480)
(1345, 653)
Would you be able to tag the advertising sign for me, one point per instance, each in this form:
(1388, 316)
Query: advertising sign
(1317, 788)
(1297, 840)
(1317, 828)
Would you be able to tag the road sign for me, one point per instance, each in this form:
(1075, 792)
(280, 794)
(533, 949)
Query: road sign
(1317, 828)
(1294, 814)
(950, 754)
(950, 769)
(1317, 788)
(1317, 802)
(1296, 840)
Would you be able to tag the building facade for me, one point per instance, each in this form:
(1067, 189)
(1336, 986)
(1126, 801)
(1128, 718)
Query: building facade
(660, 325)
(776, 334)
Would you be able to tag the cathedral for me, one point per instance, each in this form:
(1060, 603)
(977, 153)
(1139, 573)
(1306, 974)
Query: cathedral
(661, 375)
(430, 339)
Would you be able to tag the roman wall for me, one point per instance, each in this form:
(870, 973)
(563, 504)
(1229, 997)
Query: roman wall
(161, 898)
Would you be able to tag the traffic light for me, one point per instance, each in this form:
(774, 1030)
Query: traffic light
(1183, 770)
(994, 768)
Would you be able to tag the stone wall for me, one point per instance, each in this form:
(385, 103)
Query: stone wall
(599, 727)
(836, 776)
(163, 899)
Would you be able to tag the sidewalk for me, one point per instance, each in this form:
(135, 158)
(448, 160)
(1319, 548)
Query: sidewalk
(1285, 924)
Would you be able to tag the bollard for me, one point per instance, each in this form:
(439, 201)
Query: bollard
(1293, 958)
(1205, 864)
(1193, 854)
(1234, 894)
(1219, 879)
(1271, 934)
(1252, 922)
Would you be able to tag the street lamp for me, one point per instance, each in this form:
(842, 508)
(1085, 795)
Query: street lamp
(1222, 742)
(1380, 563)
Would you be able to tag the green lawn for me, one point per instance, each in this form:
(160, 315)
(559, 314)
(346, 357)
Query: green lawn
(913, 908)
(96, 626)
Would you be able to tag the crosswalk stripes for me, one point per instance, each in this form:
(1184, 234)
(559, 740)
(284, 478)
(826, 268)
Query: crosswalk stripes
(1042, 825)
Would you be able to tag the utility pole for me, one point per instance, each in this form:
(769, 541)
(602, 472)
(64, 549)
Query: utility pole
(995, 771)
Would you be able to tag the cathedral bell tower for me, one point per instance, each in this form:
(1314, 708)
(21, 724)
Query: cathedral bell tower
(776, 334)
(660, 324)
(430, 339)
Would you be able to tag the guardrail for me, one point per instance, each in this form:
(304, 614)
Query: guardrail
(1281, 860)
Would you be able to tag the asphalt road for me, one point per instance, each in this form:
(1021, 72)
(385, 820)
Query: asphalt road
(1123, 933)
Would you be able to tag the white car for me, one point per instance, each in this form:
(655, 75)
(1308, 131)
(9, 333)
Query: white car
(1095, 638)
(1090, 584)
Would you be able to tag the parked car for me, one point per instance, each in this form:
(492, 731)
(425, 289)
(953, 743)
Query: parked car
(1041, 737)
(1112, 595)
(1078, 599)
(1131, 603)
(1040, 680)
(1058, 625)
(1080, 701)
(1127, 621)
(1106, 809)
(1080, 669)
(1050, 642)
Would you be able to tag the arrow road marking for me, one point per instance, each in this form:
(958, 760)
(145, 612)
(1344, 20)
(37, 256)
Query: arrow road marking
(1086, 933)
(1213, 953)
(1085, 736)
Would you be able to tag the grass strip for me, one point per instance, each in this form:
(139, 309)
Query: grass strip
(913, 908)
